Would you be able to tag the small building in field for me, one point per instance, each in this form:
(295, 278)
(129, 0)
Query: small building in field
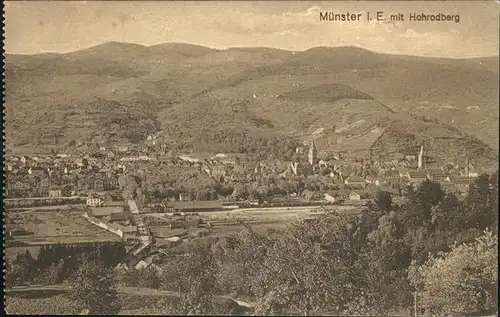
(354, 196)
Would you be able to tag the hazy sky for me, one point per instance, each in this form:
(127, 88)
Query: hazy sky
(34, 27)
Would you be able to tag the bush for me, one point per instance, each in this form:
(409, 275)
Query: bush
(94, 286)
(460, 282)
(147, 277)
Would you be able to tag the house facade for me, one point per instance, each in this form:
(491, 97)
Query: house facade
(354, 196)
(416, 177)
(372, 180)
(53, 192)
(436, 175)
(94, 200)
(354, 181)
(392, 176)
(463, 183)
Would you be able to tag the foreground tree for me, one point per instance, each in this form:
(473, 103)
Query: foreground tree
(193, 276)
(383, 202)
(313, 268)
(460, 282)
(94, 286)
(20, 271)
(479, 210)
(386, 258)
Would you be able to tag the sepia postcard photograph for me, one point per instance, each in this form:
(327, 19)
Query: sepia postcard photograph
(253, 158)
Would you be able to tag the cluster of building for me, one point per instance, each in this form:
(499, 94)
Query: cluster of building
(64, 175)
(56, 176)
(93, 176)
(122, 218)
(403, 171)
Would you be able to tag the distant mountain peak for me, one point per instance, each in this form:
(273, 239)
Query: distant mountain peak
(348, 48)
(325, 93)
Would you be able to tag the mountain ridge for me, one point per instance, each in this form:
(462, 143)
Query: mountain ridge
(246, 48)
(178, 79)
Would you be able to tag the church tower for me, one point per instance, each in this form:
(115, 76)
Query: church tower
(467, 171)
(421, 157)
(313, 154)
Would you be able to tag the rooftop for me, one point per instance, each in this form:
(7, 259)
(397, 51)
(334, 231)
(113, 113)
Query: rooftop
(391, 173)
(106, 211)
(93, 195)
(207, 204)
(353, 179)
(114, 203)
(447, 185)
(434, 170)
(417, 174)
(124, 229)
(463, 180)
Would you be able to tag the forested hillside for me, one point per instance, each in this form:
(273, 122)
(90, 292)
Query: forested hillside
(191, 90)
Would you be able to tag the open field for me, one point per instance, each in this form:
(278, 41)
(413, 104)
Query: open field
(48, 208)
(65, 224)
(52, 226)
(46, 224)
(227, 222)
(43, 198)
(272, 213)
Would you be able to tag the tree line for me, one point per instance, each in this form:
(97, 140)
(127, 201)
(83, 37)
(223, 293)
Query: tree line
(56, 263)
(241, 141)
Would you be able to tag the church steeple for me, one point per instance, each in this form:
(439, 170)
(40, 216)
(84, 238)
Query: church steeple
(467, 164)
(421, 157)
(313, 153)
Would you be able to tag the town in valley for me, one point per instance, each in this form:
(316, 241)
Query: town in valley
(337, 169)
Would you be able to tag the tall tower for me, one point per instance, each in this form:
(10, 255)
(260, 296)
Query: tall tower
(467, 171)
(421, 157)
(313, 153)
